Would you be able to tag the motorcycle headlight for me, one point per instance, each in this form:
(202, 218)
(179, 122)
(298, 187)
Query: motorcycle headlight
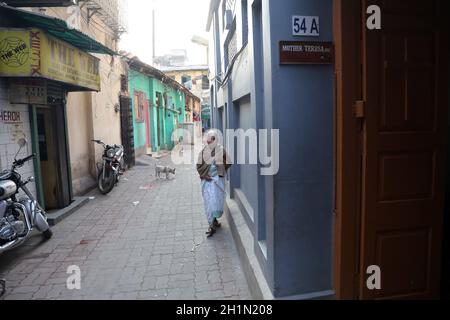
(111, 153)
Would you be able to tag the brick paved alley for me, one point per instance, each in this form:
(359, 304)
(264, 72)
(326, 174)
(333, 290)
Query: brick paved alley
(145, 240)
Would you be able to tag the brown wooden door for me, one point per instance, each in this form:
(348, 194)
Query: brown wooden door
(48, 157)
(405, 126)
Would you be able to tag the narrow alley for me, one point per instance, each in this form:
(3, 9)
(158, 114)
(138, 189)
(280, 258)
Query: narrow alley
(320, 128)
(145, 240)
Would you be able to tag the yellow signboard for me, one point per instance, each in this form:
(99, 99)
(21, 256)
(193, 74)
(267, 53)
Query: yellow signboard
(32, 53)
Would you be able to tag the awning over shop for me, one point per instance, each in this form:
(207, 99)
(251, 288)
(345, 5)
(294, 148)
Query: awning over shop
(57, 28)
(32, 53)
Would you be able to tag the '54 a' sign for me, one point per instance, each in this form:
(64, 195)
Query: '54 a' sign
(307, 26)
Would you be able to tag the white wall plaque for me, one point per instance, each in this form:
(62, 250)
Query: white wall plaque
(306, 26)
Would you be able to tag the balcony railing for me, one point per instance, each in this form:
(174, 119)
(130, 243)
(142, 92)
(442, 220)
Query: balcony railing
(114, 13)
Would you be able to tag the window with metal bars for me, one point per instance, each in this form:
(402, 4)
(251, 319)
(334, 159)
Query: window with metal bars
(228, 7)
(230, 4)
(244, 23)
(231, 47)
(205, 82)
(123, 83)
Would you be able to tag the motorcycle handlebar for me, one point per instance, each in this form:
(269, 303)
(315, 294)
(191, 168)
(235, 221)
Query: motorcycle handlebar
(106, 145)
(100, 143)
(22, 161)
(33, 156)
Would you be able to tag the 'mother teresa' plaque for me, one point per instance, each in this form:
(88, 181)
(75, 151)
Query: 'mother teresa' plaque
(306, 52)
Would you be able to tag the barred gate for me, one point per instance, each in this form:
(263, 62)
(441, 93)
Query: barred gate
(126, 124)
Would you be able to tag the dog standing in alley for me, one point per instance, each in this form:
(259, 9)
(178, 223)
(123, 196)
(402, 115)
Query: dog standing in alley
(164, 170)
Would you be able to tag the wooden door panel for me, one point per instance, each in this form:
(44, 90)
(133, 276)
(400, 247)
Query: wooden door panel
(401, 250)
(408, 9)
(406, 176)
(404, 150)
(408, 81)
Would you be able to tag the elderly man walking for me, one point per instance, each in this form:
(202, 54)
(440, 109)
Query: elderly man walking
(212, 166)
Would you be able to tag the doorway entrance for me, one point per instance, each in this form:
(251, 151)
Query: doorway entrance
(148, 138)
(159, 110)
(53, 157)
(127, 130)
(392, 108)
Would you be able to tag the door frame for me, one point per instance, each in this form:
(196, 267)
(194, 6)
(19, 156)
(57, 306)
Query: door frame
(36, 161)
(64, 183)
(347, 15)
(148, 135)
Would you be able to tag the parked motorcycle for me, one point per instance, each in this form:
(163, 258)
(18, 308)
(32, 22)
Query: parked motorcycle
(111, 167)
(18, 217)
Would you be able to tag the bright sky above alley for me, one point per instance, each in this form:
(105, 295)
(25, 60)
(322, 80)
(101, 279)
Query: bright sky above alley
(177, 21)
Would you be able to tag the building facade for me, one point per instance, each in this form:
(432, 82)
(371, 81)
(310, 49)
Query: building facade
(95, 115)
(355, 186)
(37, 73)
(159, 107)
(196, 79)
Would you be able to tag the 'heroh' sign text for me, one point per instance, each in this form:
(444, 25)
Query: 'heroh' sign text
(10, 117)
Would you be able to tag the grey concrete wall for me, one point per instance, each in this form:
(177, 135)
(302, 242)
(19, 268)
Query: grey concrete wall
(259, 45)
(302, 102)
(292, 223)
(241, 114)
(248, 173)
(241, 77)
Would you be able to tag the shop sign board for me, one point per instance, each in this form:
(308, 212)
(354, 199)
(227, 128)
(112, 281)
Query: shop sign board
(33, 91)
(10, 117)
(33, 53)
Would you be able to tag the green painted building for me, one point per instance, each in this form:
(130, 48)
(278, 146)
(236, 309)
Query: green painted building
(158, 107)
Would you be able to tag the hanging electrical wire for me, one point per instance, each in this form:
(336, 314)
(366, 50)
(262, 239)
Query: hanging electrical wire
(225, 80)
(91, 23)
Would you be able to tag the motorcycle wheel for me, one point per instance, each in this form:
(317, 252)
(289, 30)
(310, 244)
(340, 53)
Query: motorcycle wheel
(105, 186)
(48, 234)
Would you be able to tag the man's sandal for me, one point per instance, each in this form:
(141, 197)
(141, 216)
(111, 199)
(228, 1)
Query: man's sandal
(217, 224)
(211, 232)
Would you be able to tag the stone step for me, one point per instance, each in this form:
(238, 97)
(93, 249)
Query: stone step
(56, 216)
